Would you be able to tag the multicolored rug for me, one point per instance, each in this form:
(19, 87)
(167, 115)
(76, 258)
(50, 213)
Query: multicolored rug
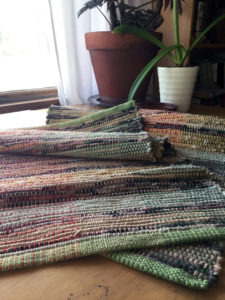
(54, 209)
(98, 145)
(199, 138)
(120, 118)
(57, 114)
(196, 265)
(57, 208)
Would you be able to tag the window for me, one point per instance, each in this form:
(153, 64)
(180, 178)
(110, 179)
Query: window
(27, 57)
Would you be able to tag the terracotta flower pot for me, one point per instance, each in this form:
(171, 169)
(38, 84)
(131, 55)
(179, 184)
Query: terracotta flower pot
(117, 60)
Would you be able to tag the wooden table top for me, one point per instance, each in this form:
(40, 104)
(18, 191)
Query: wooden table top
(93, 277)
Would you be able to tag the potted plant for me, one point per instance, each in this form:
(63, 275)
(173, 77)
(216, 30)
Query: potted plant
(117, 59)
(176, 83)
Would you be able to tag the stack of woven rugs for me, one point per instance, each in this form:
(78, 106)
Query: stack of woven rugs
(143, 188)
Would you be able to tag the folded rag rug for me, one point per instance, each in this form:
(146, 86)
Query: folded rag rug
(199, 138)
(195, 265)
(58, 114)
(99, 145)
(55, 208)
(120, 118)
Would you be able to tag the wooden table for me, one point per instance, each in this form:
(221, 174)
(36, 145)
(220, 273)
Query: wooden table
(96, 278)
(93, 277)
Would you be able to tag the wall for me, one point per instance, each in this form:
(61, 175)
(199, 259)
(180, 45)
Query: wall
(166, 28)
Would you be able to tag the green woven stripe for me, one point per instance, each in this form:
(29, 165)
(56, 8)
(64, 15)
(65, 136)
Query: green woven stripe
(158, 269)
(96, 116)
(102, 245)
(58, 114)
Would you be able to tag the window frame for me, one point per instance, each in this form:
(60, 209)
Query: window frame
(12, 101)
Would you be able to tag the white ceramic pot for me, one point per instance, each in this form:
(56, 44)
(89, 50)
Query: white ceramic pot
(176, 85)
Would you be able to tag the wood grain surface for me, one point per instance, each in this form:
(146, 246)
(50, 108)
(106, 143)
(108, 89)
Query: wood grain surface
(96, 278)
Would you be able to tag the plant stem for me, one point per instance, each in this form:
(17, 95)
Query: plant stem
(176, 30)
(119, 8)
(147, 69)
(198, 39)
(104, 16)
(113, 16)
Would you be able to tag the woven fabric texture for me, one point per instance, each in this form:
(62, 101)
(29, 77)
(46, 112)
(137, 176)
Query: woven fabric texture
(114, 133)
(57, 114)
(58, 209)
(196, 265)
(99, 145)
(120, 118)
(199, 138)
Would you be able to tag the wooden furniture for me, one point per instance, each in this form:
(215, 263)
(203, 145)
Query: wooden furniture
(28, 99)
(94, 277)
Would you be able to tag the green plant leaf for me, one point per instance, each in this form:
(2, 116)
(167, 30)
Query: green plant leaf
(147, 69)
(178, 52)
(90, 5)
(183, 53)
(198, 39)
(141, 33)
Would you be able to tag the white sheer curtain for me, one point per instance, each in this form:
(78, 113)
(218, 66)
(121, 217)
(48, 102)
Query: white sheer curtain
(76, 80)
